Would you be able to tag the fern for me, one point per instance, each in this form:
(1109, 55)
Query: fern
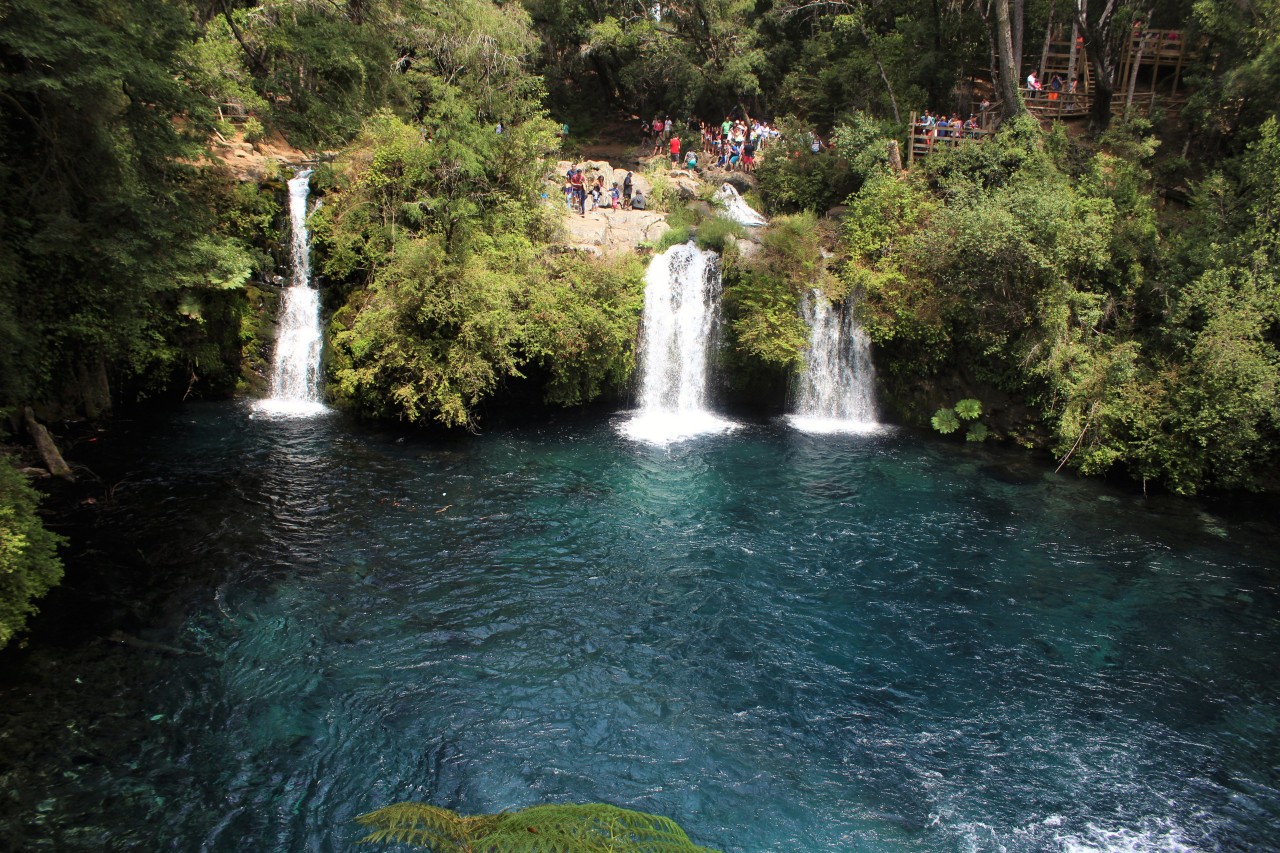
(945, 421)
(968, 409)
(540, 829)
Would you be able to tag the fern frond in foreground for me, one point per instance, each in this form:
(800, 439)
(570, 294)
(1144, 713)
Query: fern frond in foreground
(539, 829)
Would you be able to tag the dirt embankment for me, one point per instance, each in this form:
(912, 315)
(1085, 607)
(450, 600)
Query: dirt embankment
(253, 161)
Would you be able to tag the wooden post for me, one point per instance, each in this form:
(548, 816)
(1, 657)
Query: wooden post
(1048, 37)
(1177, 69)
(911, 140)
(1071, 62)
(1133, 75)
(1155, 74)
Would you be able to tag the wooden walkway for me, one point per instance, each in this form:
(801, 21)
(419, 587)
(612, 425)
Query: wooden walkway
(923, 140)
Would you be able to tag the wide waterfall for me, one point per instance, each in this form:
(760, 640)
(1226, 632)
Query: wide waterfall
(681, 309)
(295, 377)
(836, 393)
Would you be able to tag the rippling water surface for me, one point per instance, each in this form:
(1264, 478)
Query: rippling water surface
(786, 642)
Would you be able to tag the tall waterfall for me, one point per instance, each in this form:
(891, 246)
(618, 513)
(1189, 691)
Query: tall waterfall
(681, 308)
(295, 377)
(837, 391)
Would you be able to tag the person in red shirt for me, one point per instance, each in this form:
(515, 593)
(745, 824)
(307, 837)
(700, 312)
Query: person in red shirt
(675, 149)
(579, 190)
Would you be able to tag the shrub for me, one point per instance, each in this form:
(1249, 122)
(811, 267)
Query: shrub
(945, 421)
(714, 232)
(674, 237)
(29, 565)
(253, 130)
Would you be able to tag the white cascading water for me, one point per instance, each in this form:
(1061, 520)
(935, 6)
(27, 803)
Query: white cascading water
(836, 393)
(295, 377)
(737, 209)
(681, 308)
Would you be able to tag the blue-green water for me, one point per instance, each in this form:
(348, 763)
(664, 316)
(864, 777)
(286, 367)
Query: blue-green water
(785, 642)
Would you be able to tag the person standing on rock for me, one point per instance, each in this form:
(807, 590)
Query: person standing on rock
(675, 150)
(579, 191)
(627, 186)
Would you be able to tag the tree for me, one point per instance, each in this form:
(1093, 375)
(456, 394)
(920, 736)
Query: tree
(1010, 97)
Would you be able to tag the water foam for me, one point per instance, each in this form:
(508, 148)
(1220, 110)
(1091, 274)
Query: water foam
(737, 209)
(836, 392)
(295, 376)
(681, 313)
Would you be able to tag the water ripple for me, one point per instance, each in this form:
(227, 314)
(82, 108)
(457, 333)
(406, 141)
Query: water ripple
(785, 642)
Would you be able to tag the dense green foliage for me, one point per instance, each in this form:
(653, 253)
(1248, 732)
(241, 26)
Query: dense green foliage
(587, 828)
(29, 564)
(762, 296)
(440, 242)
(111, 257)
(1137, 345)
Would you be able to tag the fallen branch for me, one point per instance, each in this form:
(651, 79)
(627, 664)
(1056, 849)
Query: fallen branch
(1092, 409)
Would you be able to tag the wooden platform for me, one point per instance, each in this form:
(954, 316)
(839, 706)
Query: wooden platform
(923, 141)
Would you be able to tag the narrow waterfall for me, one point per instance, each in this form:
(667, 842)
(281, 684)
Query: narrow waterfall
(295, 377)
(836, 393)
(681, 309)
(736, 208)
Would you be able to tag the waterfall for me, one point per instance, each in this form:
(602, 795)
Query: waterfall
(681, 309)
(836, 392)
(295, 376)
(737, 209)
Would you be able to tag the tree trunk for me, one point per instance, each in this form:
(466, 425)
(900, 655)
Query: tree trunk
(48, 450)
(1102, 52)
(1010, 98)
(1019, 28)
(895, 156)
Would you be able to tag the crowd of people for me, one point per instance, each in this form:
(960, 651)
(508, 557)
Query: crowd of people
(1056, 86)
(581, 195)
(732, 145)
(950, 128)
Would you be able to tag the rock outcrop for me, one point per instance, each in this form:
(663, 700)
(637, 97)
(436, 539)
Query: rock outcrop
(606, 232)
(615, 232)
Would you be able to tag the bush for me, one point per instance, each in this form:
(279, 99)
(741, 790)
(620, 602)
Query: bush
(714, 232)
(674, 237)
(945, 421)
(762, 296)
(792, 178)
(29, 565)
(253, 130)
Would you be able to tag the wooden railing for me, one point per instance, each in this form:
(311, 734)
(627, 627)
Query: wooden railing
(1049, 104)
(923, 141)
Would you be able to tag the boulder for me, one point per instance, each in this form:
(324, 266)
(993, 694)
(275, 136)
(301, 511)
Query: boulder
(593, 168)
(686, 187)
(740, 181)
(615, 232)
